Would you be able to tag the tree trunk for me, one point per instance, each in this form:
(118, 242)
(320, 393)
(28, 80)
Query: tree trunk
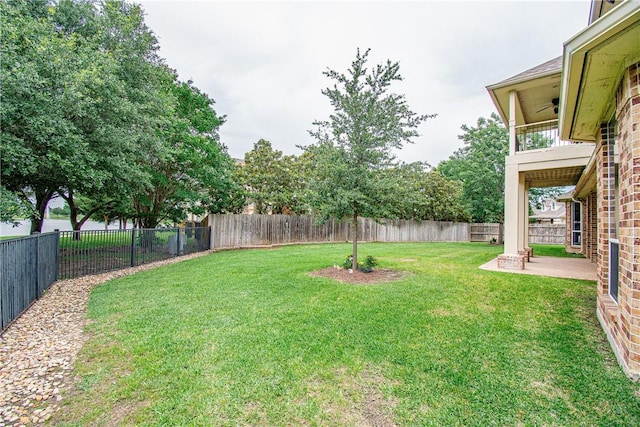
(355, 242)
(73, 215)
(42, 200)
(74, 212)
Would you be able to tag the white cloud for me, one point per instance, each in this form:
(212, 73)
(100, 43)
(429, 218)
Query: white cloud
(263, 61)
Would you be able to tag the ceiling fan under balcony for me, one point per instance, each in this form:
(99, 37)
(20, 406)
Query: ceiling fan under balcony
(554, 103)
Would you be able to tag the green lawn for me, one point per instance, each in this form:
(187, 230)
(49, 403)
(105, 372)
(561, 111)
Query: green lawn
(553, 250)
(249, 338)
(10, 237)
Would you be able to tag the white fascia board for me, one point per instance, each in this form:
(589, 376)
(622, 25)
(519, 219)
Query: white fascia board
(494, 98)
(575, 51)
(587, 174)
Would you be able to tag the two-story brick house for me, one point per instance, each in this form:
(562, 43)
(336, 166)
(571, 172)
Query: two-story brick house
(586, 104)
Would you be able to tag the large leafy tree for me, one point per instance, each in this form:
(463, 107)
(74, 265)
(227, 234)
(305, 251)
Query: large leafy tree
(357, 141)
(79, 100)
(425, 194)
(272, 180)
(192, 172)
(479, 165)
(125, 107)
(37, 140)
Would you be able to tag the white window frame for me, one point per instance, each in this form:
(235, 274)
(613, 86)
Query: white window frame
(573, 222)
(617, 264)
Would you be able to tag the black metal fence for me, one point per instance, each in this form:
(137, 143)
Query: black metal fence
(28, 266)
(98, 251)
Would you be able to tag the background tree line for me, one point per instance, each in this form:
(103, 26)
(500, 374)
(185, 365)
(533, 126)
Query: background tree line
(91, 113)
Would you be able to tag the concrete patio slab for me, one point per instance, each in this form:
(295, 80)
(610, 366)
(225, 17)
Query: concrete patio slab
(567, 268)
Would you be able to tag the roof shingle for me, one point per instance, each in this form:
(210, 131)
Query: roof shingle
(539, 70)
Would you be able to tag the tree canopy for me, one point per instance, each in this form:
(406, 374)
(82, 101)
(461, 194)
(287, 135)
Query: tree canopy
(92, 113)
(479, 165)
(424, 194)
(274, 182)
(192, 171)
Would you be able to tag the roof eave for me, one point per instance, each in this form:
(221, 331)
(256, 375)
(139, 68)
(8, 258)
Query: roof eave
(514, 83)
(575, 51)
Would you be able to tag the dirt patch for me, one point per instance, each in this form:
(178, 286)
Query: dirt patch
(377, 409)
(357, 277)
(352, 398)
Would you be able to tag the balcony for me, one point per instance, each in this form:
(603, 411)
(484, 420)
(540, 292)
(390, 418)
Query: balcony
(544, 159)
(540, 135)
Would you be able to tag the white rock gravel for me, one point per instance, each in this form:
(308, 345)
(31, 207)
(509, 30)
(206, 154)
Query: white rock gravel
(38, 350)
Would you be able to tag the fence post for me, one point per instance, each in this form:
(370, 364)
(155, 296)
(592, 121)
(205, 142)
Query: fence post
(133, 247)
(36, 293)
(178, 243)
(58, 253)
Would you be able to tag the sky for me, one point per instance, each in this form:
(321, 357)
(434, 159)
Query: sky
(262, 61)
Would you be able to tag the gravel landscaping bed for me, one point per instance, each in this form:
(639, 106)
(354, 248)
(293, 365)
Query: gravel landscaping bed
(37, 351)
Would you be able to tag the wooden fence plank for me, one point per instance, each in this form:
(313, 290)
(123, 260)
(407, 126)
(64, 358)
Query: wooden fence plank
(231, 231)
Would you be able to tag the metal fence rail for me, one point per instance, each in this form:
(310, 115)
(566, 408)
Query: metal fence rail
(28, 266)
(98, 251)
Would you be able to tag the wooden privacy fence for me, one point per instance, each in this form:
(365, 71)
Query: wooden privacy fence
(236, 231)
(485, 232)
(551, 234)
(28, 266)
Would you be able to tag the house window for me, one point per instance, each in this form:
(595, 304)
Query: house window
(576, 224)
(614, 248)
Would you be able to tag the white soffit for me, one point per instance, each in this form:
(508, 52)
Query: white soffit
(535, 89)
(594, 61)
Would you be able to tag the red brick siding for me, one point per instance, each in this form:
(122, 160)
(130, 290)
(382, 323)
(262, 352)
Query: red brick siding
(622, 322)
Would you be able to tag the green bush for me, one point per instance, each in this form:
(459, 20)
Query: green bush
(365, 267)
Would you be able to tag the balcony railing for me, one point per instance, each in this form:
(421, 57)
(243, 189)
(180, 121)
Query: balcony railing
(539, 135)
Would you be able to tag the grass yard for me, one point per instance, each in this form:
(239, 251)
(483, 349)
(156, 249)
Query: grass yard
(553, 250)
(247, 337)
(10, 237)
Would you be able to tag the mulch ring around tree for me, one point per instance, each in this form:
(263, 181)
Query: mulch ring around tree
(357, 277)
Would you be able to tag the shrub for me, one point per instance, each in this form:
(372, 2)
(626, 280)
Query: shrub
(348, 262)
(365, 267)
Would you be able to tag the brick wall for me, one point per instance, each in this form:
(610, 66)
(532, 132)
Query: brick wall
(567, 234)
(621, 321)
(590, 227)
(606, 183)
(628, 117)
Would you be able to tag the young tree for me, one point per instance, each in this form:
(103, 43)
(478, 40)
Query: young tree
(357, 141)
